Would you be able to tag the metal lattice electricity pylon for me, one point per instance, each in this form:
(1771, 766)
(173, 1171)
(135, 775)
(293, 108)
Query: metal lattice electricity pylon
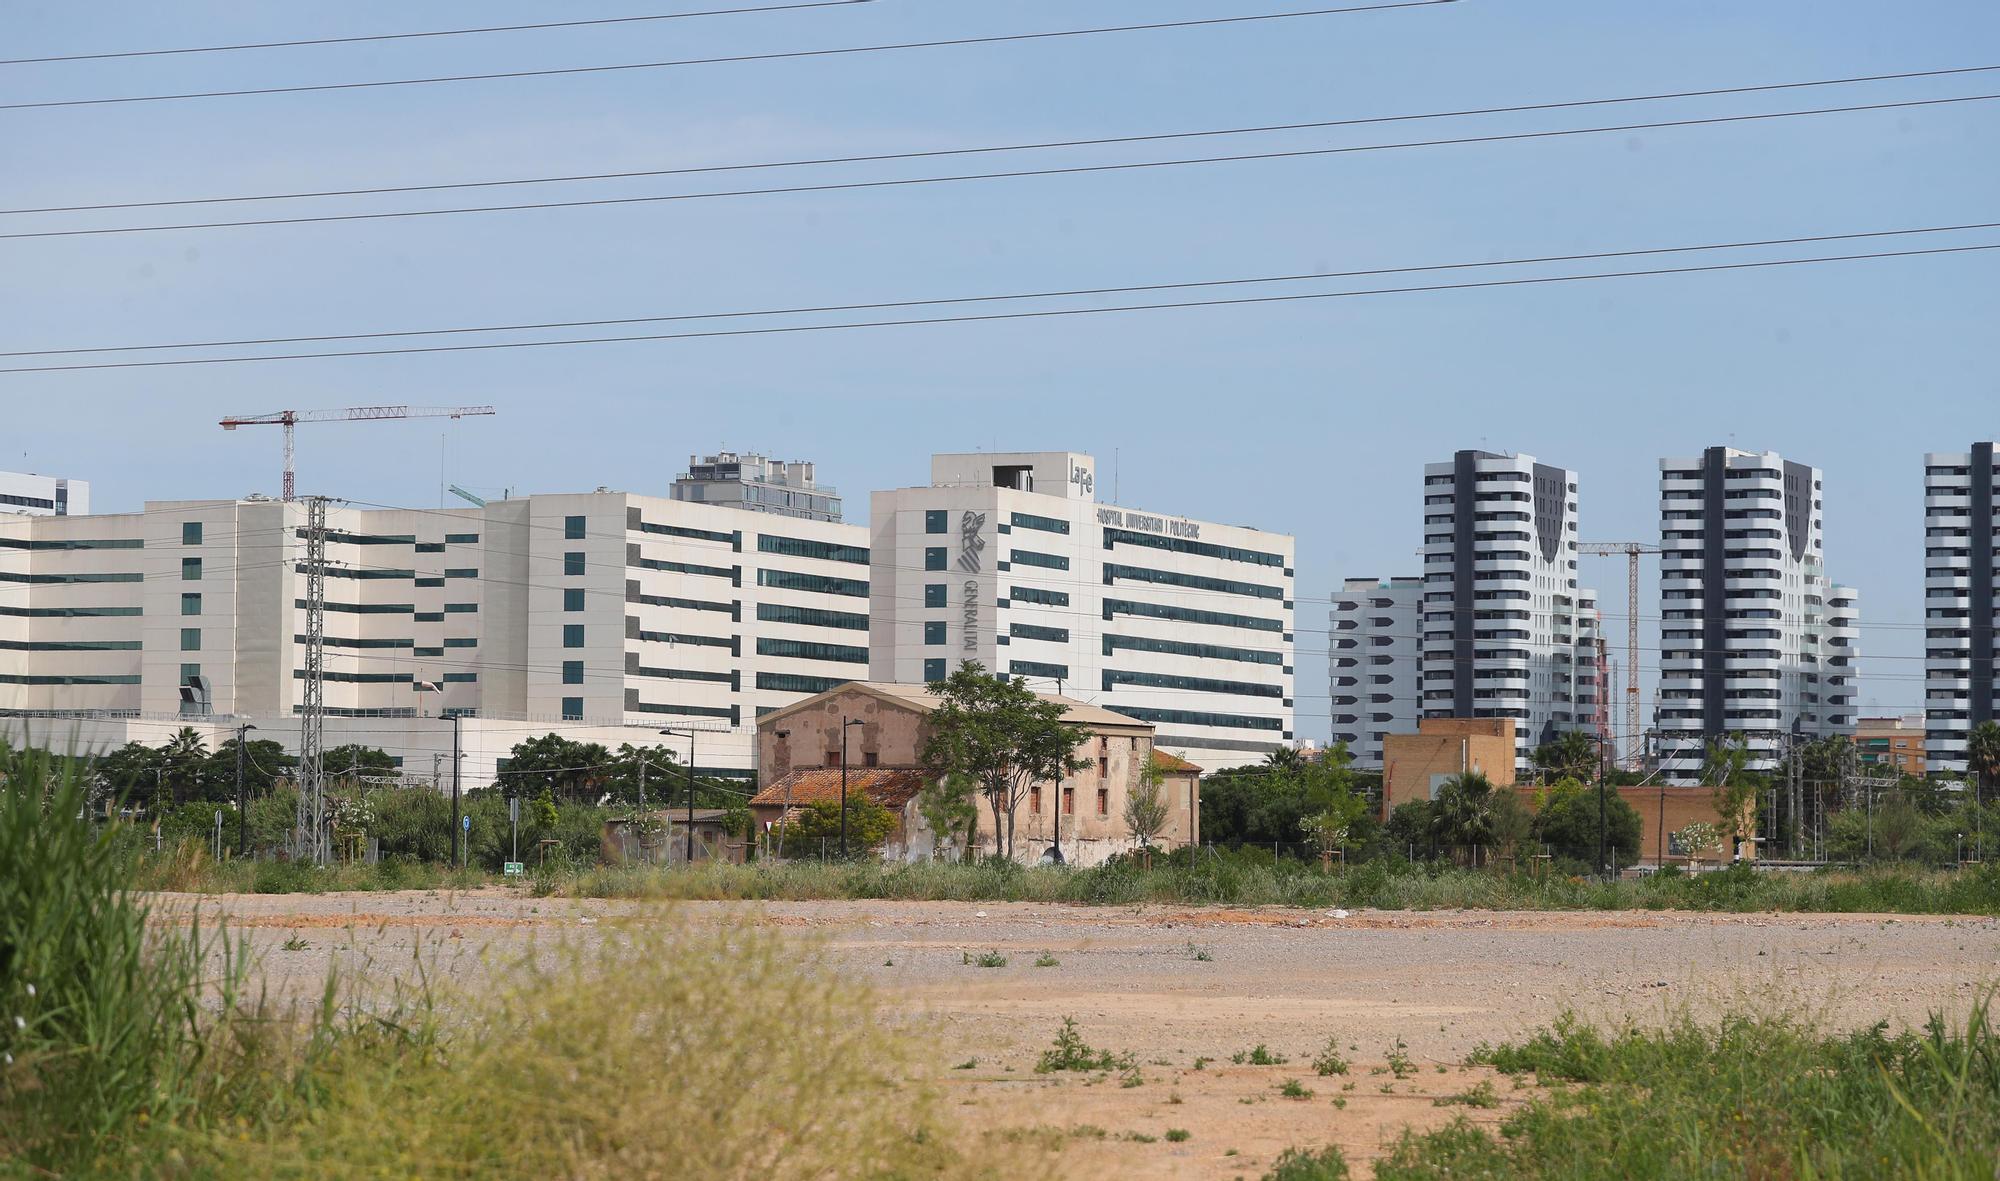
(1635, 746)
(312, 707)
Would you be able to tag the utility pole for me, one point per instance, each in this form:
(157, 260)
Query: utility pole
(689, 735)
(242, 797)
(457, 827)
(1601, 862)
(690, 832)
(312, 707)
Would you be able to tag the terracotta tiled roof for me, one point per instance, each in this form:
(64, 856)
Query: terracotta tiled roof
(891, 787)
(922, 699)
(1168, 761)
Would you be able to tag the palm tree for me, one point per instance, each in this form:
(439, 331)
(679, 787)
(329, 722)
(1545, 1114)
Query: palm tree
(1982, 756)
(181, 758)
(1285, 758)
(1462, 815)
(1571, 756)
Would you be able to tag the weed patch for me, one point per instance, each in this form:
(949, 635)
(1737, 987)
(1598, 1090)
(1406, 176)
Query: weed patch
(1071, 1052)
(1258, 1055)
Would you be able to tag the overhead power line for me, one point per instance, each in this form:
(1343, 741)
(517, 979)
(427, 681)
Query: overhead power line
(1074, 170)
(575, 24)
(724, 60)
(1102, 141)
(1073, 292)
(1022, 315)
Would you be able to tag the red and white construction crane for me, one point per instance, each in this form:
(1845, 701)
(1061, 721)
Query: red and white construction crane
(291, 418)
(1635, 747)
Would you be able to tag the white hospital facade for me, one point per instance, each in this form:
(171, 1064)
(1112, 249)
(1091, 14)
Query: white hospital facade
(1009, 559)
(607, 614)
(610, 616)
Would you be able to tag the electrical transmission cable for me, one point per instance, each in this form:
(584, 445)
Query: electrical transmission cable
(1024, 295)
(1021, 315)
(575, 24)
(1102, 141)
(960, 178)
(724, 60)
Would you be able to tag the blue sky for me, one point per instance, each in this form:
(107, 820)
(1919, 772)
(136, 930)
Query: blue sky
(1312, 418)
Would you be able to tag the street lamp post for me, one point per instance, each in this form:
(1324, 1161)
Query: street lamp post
(689, 735)
(242, 798)
(460, 830)
(845, 724)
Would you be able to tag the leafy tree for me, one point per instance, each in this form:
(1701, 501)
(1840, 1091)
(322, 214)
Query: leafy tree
(1002, 736)
(817, 827)
(1334, 806)
(1409, 828)
(353, 760)
(664, 778)
(1328, 831)
(1251, 806)
(570, 770)
(128, 772)
(948, 811)
(1271, 802)
(1145, 809)
(1696, 839)
(265, 765)
(1571, 756)
(1567, 822)
(1513, 823)
(1725, 759)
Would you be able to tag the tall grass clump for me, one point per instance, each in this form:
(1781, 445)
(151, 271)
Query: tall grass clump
(189, 867)
(1246, 878)
(1749, 1096)
(103, 1028)
(668, 1052)
(663, 1052)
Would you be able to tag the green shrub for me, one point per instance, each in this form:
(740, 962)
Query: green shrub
(1071, 1052)
(1749, 1096)
(1330, 1060)
(1299, 1165)
(1258, 1055)
(411, 822)
(815, 829)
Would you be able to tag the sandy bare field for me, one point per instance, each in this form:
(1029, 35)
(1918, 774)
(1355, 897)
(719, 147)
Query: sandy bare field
(1174, 985)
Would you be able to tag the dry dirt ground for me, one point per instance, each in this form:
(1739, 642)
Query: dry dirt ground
(1182, 990)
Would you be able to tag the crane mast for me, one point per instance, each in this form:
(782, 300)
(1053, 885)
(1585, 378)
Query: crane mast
(1635, 748)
